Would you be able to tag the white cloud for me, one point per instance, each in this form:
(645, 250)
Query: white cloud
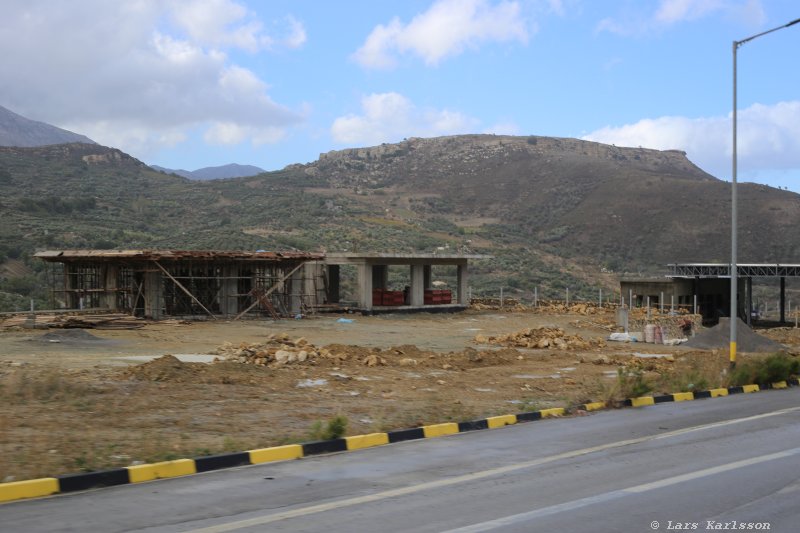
(389, 117)
(672, 12)
(227, 133)
(445, 29)
(226, 23)
(141, 75)
(768, 138)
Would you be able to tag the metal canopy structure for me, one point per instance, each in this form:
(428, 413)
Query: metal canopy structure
(719, 270)
(744, 271)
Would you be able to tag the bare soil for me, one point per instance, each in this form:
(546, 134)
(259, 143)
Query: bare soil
(73, 400)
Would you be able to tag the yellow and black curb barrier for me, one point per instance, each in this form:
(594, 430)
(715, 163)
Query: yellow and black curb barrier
(34, 488)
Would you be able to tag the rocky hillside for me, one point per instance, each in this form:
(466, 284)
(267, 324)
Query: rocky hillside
(625, 208)
(554, 213)
(16, 130)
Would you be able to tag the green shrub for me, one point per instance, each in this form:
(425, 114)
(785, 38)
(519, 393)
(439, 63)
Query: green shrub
(632, 384)
(772, 369)
(334, 429)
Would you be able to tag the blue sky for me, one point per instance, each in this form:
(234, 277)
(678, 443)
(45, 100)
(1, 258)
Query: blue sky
(191, 83)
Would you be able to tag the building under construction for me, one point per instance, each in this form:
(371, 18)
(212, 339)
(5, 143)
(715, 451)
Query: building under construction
(191, 284)
(181, 283)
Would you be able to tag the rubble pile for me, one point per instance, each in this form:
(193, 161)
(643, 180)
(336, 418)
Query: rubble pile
(578, 308)
(280, 350)
(540, 338)
(277, 348)
(508, 304)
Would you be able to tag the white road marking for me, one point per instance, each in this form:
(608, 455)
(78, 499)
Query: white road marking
(402, 491)
(617, 494)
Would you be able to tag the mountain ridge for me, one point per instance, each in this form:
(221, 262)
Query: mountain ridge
(231, 170)
(552, 212)
(16, 130)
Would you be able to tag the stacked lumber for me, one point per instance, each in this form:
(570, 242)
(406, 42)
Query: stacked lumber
(109, 321)
(540, 338)
(105, 321)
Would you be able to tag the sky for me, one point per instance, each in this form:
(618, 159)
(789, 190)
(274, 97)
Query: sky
(187, 84)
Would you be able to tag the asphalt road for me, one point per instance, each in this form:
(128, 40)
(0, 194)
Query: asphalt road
(733, 461)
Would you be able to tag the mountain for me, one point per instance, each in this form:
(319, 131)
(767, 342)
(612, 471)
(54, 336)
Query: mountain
(232, 170)
(16, 130)
(552, 212)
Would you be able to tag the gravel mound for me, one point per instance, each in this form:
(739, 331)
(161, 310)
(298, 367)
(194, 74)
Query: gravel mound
(719, 337)
(69, 335)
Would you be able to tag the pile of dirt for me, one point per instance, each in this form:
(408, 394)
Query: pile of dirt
(540, 338)
(719, 337)
(280, 351)
(788, 336)
(170, 369)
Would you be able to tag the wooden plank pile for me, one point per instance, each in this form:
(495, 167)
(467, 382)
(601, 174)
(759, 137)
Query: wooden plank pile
(103, 321)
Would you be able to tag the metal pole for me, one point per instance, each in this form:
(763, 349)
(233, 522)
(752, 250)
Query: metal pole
(600, 299)
(567, 296)
(536, 296)
(501, 296)
(661, 303)
(630, 299)
(695, 304)
(734, 270)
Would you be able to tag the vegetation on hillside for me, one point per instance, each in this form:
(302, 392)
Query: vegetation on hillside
(554, 213)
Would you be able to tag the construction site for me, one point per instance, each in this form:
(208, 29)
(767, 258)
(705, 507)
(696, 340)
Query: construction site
(157, 284)
(84, 390)
(150, 355)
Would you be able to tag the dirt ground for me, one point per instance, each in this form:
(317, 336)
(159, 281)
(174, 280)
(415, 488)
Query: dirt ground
(74, 400)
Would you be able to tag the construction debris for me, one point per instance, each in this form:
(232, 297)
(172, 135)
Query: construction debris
(104, 321)
(278, 350)
(540, 338)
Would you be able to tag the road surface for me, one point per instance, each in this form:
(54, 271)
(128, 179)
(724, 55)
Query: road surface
(727, 462)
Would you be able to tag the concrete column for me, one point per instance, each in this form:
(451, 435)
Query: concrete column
(783, 299)
(417, 296)
(365, 286)
(334, 281)
(111, 275)
(462, 278)
(296, 293)
(72, 299)
(426, 275)
(380, 276)
(315, 284)
(229, 302)
(152, 295)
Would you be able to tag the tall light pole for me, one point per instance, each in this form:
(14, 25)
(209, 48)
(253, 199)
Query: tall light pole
(734, 244)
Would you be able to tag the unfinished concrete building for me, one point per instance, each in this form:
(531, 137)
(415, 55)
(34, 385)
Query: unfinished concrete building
(373, 293)
(184, 283)
(192, 284)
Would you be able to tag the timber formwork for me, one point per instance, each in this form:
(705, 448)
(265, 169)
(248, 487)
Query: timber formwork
(187, 283)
